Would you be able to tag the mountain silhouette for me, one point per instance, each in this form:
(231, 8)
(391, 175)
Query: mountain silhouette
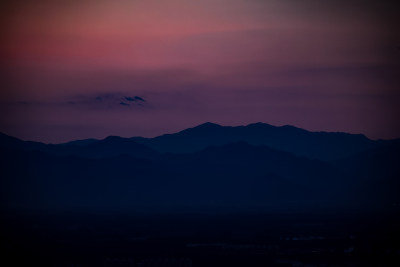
(314, 145)
(109, 147)
(232, 175)
(374, 174)
(89, 148)
(208, 166)
(82, 142)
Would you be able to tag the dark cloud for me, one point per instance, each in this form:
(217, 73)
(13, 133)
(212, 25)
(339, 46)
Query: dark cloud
(87, 101)
(135, 98)
(106, 100)
(96, 100)
(139, 98)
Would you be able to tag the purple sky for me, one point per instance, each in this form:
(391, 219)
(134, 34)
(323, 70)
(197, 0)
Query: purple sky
(91, 68)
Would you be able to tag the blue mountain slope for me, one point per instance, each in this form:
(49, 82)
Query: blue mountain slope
(90, 148)
(218, 169)
(314, 145)
(233, 175)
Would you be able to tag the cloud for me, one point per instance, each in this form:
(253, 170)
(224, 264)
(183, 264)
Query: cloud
(139, 98)
(107, 100)
(135, 98)
(99, 101)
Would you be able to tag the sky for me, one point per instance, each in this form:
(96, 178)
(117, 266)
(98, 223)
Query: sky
(75, 69)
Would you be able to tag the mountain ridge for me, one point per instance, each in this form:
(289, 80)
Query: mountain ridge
(119, 172)
(314, 145)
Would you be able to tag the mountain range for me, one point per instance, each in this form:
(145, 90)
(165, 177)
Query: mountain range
(209, 166)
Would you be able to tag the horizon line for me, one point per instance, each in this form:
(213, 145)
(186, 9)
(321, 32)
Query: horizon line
(193, 127)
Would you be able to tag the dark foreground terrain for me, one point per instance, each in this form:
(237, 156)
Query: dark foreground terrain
(255, 195)
(276, 238)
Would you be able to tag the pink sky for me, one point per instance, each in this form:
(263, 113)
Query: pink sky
(67, 66)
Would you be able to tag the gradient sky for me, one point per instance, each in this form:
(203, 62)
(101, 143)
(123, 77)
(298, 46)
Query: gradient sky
(91, 68)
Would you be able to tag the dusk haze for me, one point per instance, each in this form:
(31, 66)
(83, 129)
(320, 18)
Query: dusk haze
(68, 65)
(199, 133)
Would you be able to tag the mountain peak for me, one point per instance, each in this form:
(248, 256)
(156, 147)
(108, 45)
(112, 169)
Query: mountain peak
(259, 124)
(208, 125)
(203, 127)
(113, 138)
